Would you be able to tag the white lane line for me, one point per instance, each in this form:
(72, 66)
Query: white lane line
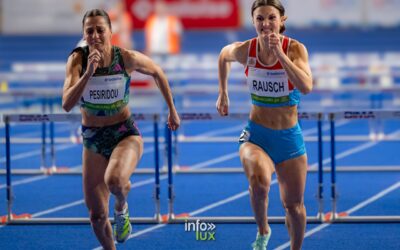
(220, 203)
(196, 166)
(215, 160)
(193, 213)
(135, 185)
(325, 127)
(80, 202)
(374, 198)
(36, 152)
(58, 208)
(33, 179)
(25, 181)
(138, 233)
(351, 210)
(245, 193)
(239, 128)
(59, 128)
(235, 154)
(224, 201)
(222, 131)
(41, 177)
(57, 148)
(354, 150)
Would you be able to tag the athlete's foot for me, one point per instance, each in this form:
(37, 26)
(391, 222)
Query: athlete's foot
(261, 241)
(122, 225)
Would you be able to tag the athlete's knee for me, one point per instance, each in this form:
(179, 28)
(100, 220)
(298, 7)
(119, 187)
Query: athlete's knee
(294, 208)
(98, 218)
(116, 183)
(250, 159)
(259, 185)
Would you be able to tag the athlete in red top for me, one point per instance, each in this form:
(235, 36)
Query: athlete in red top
(277, 69)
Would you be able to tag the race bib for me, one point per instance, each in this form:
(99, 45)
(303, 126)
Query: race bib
(105, 89)
(268, 83)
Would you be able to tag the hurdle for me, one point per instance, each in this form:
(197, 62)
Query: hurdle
(356, 115)
(54, 169)
(40, 118)
(319, 117)
(319, 218)
(320, 138)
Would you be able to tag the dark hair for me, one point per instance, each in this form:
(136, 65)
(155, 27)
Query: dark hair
(274, 3)
(94, 13)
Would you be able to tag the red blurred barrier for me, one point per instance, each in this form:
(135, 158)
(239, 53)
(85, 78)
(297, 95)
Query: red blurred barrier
(194, 14)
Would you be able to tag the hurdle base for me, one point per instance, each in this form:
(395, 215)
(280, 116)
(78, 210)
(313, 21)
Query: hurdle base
(367, 219)
(220, 170)
(239, 219)
(76, 221)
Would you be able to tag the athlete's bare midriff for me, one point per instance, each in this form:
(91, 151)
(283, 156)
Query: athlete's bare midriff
(101, 121)
(274, 118)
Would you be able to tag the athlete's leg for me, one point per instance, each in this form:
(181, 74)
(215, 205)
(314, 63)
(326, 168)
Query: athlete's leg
(292, 179)
(122, 164)
(258, 167)
(97, 196)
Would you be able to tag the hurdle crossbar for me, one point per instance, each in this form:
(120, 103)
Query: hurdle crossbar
(239, 169)
(178, 170)
(40, 118)
(339, 138)
(239, 219)
(76, 220)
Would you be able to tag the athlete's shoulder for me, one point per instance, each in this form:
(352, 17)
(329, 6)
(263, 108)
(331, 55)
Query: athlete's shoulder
(243, 45)
(295, 44)
(75, 57)
(241, 50)
(297, 49)
(130, 58)
(79, 52)
(126, 53)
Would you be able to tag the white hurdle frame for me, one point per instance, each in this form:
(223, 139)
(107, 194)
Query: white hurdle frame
(356, 115)
(39, 118)
(319, 218)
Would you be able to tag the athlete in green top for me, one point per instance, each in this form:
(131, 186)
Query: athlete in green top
(97, 76)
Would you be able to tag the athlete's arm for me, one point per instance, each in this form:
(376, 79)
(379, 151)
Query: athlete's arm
(137, 61)
(296, 63)
(235, 52)
(74, 84)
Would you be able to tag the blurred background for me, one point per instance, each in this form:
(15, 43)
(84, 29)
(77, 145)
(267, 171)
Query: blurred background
(353, 45)
(354, 53)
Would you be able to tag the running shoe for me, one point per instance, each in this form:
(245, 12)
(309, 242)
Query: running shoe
(122, 225)
(261, 241)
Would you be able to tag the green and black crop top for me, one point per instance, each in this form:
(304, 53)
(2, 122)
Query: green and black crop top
(107, 91)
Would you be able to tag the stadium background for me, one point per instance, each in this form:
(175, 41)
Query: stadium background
(355, 58)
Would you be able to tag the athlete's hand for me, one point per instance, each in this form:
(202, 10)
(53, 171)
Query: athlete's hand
(93, 61)
(223, 104)
(275, 44)
(173, 120)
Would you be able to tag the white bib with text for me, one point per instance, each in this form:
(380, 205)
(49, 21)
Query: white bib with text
(268, 83)
(105, 89)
